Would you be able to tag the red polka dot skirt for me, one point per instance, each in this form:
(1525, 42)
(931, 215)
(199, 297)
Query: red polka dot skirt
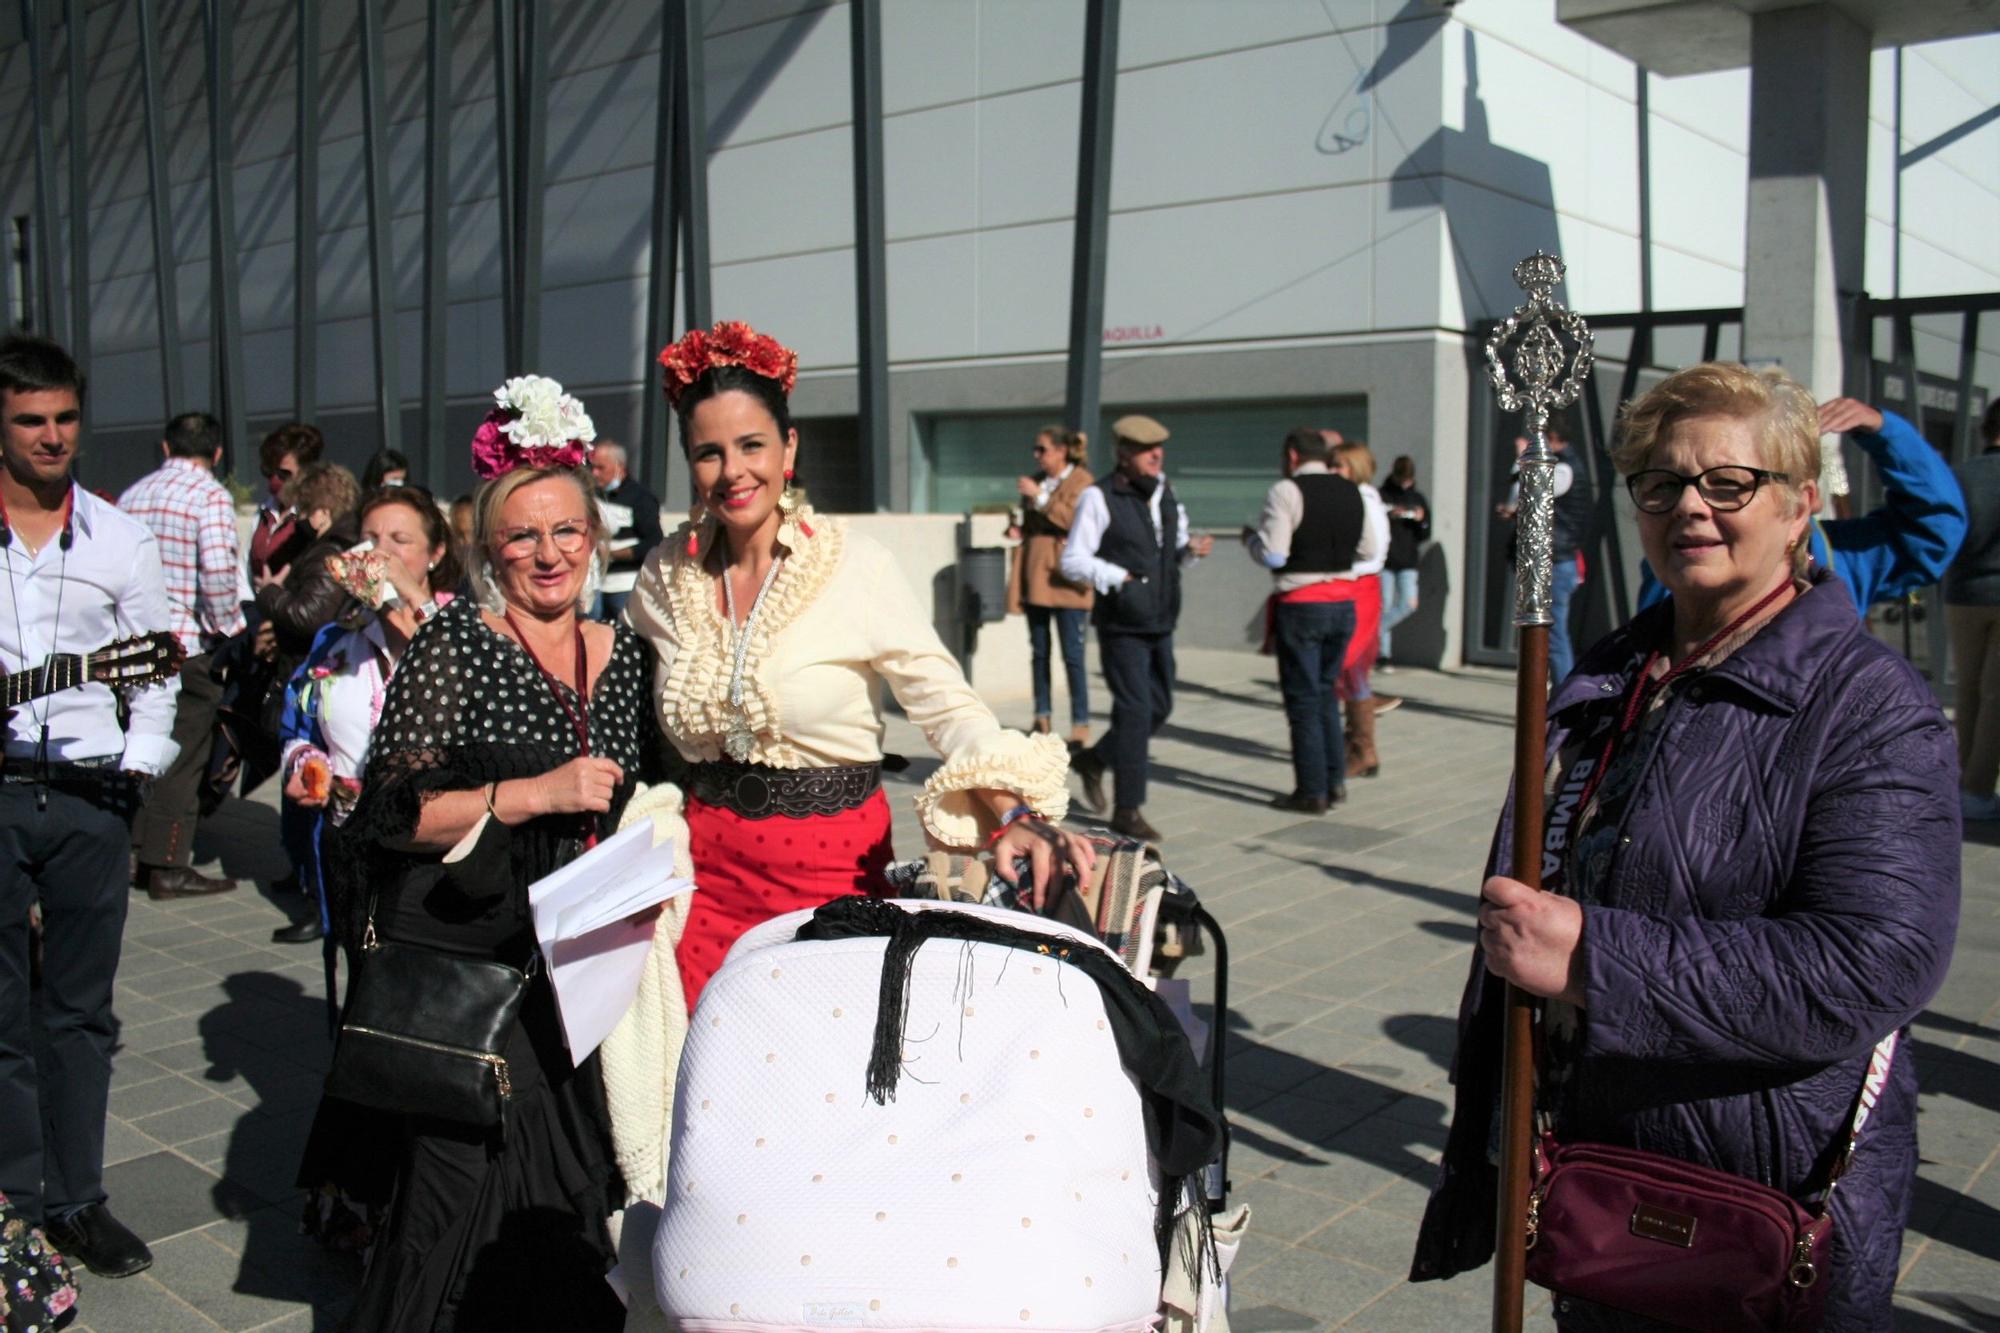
(750, 870)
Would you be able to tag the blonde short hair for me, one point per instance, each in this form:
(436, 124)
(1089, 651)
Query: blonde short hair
(1360, 460)
(491, 497)
(1780, 410)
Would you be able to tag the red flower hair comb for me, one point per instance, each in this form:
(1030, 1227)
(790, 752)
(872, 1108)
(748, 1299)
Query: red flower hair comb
(730, 343)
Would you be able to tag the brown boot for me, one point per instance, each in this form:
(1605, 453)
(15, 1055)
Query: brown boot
(1359, 725)
(1126, 821)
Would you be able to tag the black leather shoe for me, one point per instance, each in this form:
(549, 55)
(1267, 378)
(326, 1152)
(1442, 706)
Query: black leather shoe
(1299, 803)
(104, 1244)
(1087, 766)
(1337, 795)
(1127, 822)
(300, 932)
(167, 882)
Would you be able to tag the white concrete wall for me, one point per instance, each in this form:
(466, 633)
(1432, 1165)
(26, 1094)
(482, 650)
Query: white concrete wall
(1287, 169)
(1951, 198)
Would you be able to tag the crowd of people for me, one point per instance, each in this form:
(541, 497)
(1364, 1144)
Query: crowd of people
(1754, 891)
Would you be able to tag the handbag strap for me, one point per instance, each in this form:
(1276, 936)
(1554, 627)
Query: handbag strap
(1873, 1083)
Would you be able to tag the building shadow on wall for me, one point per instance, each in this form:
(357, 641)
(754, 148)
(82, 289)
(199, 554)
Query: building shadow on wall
(1499, 206)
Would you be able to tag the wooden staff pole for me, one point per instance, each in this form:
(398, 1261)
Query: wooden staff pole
(1517, 1050)
(1550, 353)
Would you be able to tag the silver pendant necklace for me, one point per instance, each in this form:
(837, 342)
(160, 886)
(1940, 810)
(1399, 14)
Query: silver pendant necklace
(742, 740)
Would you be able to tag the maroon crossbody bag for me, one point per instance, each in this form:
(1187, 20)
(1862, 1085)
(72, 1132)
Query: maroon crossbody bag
(1684, 1244)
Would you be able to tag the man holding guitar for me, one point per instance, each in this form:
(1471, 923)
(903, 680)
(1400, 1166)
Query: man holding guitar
(74, 574)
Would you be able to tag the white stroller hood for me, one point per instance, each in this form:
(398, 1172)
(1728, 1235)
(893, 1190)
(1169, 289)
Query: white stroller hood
(1006, 1186)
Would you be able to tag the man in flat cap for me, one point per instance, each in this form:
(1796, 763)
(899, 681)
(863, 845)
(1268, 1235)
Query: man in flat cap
(1128, 540)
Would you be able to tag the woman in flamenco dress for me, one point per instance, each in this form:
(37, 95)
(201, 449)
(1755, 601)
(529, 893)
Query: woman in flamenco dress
(775, 629)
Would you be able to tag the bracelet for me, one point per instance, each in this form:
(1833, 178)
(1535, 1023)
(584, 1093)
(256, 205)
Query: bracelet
(1008, 820)
(426, 611)
(492, 794)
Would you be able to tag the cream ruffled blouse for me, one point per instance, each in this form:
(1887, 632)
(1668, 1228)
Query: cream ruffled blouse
(840, 621)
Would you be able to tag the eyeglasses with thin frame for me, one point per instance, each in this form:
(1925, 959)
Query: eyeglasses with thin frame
(569, 538)
(1728, 488)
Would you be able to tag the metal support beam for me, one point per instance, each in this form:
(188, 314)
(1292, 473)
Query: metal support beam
(1643, 114)
(305, 218)
(166, 264)
(530, 174)
(437, 229)
(226, 378)
(505, 67)
(45, 313)
(871, 296)
(1081, 406)
(381, 267)
(79, 184)
(654, 454)
(1963, 445)
(691, 161)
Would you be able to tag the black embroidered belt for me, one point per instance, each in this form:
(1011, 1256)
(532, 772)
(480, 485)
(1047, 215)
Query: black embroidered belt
(758, 791)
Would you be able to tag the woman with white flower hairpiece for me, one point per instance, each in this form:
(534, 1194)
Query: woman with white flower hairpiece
(510, 738)
(777, 630)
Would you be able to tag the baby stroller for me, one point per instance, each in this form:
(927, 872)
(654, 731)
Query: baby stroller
(940, 1114)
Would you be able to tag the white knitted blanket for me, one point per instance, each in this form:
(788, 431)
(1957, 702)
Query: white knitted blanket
(642, 1054)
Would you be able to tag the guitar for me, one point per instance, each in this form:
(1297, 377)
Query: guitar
(129, 663)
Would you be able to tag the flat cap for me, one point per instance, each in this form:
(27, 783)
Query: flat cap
(1142, 431)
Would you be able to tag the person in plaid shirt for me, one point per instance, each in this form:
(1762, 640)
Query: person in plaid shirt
(194, 519)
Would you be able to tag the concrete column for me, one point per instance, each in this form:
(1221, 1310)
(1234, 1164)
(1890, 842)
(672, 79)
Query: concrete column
(1808, 184)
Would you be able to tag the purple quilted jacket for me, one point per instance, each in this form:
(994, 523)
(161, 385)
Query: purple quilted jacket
(1784, 893)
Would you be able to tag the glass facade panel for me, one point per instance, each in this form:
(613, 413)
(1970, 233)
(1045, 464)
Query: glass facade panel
(1221, 458)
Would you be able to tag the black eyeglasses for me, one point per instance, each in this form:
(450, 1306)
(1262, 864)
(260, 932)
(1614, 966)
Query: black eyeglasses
(1658, 490)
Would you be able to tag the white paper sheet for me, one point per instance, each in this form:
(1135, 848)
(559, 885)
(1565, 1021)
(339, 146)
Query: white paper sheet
(596, 956)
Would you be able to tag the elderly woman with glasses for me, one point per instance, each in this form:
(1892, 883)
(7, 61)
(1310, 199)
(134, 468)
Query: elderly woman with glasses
(1751, 865)
(510, 739)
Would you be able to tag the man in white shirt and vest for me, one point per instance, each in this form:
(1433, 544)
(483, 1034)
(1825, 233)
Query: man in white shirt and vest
(1128, 540)
(75, 575)
(1311, 535)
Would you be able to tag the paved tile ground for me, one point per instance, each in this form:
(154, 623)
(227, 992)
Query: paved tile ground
(1348, 940)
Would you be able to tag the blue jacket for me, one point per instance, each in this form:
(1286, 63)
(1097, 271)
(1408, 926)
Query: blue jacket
(1905, 544)
(1783, 892)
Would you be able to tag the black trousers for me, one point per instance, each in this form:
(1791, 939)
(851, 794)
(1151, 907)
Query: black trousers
(163, 832)
(55, 1044)
(1139, 669)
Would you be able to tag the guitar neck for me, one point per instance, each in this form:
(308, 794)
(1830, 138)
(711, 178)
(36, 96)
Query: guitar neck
(63, 671)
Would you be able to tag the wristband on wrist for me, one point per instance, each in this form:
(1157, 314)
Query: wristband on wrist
(426, 610)
(493, 794)
(1007, 821)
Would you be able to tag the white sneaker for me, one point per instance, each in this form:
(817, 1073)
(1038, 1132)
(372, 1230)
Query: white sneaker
(1984, 807)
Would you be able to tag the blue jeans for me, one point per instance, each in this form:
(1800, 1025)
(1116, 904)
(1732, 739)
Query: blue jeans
(1312, 642)
(1399, 600)
(1069, 625)
(1562, 658)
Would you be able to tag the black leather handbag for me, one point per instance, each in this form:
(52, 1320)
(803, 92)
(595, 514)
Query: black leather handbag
(425, 1033)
